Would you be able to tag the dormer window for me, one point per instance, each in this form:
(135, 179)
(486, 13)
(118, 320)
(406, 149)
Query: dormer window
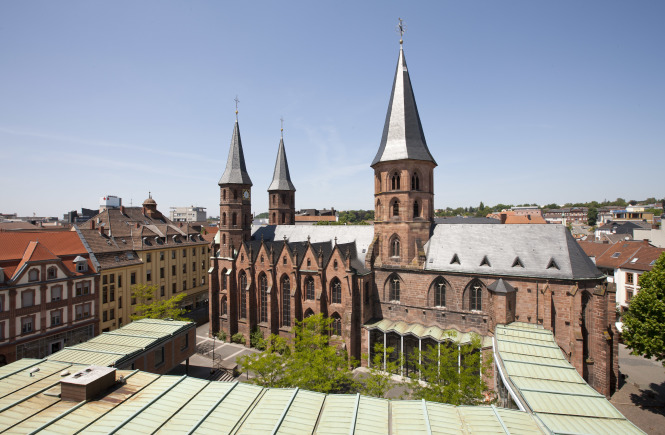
(485, 262)
(517, 262)
(552, 264)
(81, 264)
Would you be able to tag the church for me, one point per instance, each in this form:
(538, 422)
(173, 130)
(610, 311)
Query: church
(406, 281)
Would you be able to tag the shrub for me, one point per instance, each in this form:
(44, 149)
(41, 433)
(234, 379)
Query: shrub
(221, 335)
(238, 338)
(256, 340)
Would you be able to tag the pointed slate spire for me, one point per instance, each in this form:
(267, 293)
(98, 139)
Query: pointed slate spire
(403, 136)
(235, 172)
(281, 178)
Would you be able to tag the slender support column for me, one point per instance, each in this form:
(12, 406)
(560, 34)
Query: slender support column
(401, 354)
(384, 351)
(438, 358)
(369, 349)
(459, 359)
(420, 355)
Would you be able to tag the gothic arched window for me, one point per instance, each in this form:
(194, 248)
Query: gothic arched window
(395, 181)
(263, 286)
(286, 302)
(309, 288)
(224, 309)
(395, 247)
(336, 296)
(243, 295)
(336, 325)
(394, 288)
(416, 209)
(475, 296)
(396, 208)
(415, 182)
(439, 290)
(234, 219)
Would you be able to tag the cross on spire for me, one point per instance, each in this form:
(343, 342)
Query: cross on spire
(281, 120)
(237, 101)
(401, 28)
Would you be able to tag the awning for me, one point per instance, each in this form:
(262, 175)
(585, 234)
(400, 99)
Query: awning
(421, 331)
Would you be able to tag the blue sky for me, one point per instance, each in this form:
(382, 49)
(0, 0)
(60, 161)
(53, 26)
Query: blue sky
(520, 101)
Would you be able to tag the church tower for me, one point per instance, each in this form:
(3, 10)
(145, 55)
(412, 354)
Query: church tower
(281, 193)
(235, 203)
(403, 178)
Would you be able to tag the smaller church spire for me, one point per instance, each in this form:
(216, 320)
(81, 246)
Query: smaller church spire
(281, 179)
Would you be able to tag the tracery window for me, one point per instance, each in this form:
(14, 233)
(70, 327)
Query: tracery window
(394, 288)
(439, 288)
(309, 287)
(336, 325)
(395, 181)
(243, 295)
(336, 292)
(475, 297)
(263, 286)
(415, 182)
(416, 209)
(396, 208)
(286, 302)
(395, 247)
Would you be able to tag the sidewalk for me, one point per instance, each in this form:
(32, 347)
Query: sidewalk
(641, 396)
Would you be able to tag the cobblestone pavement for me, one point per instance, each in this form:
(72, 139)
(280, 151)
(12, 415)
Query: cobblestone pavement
(641, 397)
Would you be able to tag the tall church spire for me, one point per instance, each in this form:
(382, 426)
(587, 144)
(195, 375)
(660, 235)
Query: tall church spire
(403, 137)
(281, 196)
(236, 171)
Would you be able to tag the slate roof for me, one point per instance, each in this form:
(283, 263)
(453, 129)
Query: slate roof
(281, 178)
(544, 251)
(236, 171)
(501, 286)
(403, 136)
(466, 220)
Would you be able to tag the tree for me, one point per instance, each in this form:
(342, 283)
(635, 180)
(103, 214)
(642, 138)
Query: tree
(379, 381)
(150, 308)
(592, 216)
(439, 378)
(309, 362)
(644, 322)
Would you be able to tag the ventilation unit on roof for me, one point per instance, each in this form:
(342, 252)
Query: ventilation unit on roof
(552, 264)
(485, 262)
(455, 260)
(518, 262)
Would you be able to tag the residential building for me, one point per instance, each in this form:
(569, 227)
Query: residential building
(655, 236)
(49, 286)
(407, 281)
(622, 229)
(567, 215)
(188, 214)
(139, 245)
(510, 217)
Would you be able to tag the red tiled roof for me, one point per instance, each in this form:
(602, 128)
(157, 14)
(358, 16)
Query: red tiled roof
(315, 218)
(643, 258)
(594, 249)
(13, 244)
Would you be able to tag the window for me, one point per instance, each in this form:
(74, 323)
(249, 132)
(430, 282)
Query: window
(184, 253)
(161, 272)
(335, 265)
(203, 265)
(203, 250)
(112, 314)
(184, 268)
(234, 219)
(26, 325)
(119, 281)
(193, 251)
(184, 285)
(243, 296)
(286, 301)
(309, 262)
(173, 288)
(193, 282)
(148, 257)
(415, 182)
(56, 317)
(416, 209)
(119, 301)
(394, 288)
(173, 255)
(224, 308)
(475, 297)
(629, 295)
(223, 219)
(148, 275)
(395, 181)
(616, 255)
(161, 256)
(112, 293)
(336, 296)
(439, 288)
(336, 325)
(51, 273)
(173, 270)
(394, 247)
(56, 293)
(193, 266)
(309, 286)
(81, 266)
(162, 291)
(105, 279)
(82, 311)
(2, 303)
(263, 286)
(396, 208)
(105, 316)
(185, 344)
(159, 356)
(112, 278)
(82, 288)
(132, 278)
(629, 278)
(33, 275)
(27, 298)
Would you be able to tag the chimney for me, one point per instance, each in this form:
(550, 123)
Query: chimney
(87, 383)
(92, 224)
(503, 217)
(101, 231)
(122, 209)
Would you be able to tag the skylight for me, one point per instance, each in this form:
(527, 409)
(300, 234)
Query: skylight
(616, 255)
(634, 260)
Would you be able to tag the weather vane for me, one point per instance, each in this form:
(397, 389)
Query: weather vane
(237, 101)
(281, 120)
(401, 28)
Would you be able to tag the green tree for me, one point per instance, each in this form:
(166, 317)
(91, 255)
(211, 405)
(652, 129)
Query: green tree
(309, 361)
(644, 322)
(438, 377)
(379, 380)
(592, 216)
(150, 308)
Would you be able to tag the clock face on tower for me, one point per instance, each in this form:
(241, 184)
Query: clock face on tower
(245, 193)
